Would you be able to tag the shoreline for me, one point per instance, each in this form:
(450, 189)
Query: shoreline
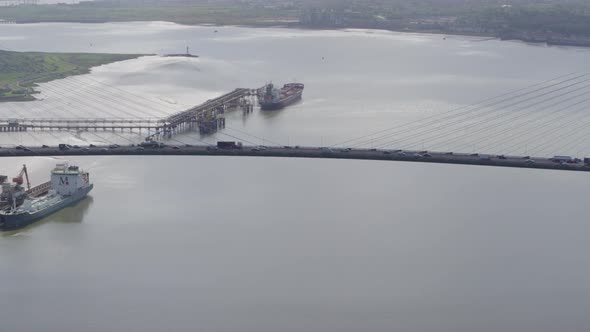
(19, 85)
(298, 26)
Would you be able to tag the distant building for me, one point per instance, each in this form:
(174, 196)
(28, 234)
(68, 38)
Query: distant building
(12, 3)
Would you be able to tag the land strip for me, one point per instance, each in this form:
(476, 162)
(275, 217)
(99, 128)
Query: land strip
(543, 21)
(20, 71)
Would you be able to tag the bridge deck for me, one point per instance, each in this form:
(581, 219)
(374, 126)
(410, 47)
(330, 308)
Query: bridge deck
(307, 152)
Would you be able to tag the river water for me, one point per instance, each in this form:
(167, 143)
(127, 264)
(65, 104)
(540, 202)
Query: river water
(246, 244)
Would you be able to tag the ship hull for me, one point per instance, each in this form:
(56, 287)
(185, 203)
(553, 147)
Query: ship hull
(271, 106)
(10, 222)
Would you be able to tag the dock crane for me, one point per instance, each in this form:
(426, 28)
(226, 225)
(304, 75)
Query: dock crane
(19, 179)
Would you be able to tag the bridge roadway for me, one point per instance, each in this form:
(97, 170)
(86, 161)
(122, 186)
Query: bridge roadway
(303, 152)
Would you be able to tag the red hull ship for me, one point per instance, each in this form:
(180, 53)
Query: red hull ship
(271, 98)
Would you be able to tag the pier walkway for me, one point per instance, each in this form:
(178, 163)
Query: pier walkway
(96, 124)
(208, 117)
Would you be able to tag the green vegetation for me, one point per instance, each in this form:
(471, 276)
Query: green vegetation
(565, 22)
(550, 21)
(20, 71)
(182, 13)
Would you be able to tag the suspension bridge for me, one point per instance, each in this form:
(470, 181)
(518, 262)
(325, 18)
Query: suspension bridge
(570, 164)
(519, 128)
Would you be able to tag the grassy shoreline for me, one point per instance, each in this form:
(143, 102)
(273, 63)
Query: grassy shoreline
(114, 12)
(532, 23)
(296, 25)
(21, 71)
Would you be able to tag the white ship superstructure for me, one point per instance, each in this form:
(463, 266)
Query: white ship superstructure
(66, 179)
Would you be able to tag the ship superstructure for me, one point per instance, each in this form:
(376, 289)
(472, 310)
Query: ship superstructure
(68, 185)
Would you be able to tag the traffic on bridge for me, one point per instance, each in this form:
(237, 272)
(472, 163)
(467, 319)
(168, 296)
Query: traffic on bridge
(151, 148)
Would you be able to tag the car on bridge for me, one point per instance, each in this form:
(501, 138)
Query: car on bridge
(229, 145)
(558, 159)
(151, 144)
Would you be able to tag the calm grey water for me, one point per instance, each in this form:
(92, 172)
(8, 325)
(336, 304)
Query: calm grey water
(245, 244)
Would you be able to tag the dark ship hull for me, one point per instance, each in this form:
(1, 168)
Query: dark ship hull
(269, 106)
(15, 221)
(287, 95)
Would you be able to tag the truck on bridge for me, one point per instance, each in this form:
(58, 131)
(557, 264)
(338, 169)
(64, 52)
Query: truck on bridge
(151, 144)
(229, 145)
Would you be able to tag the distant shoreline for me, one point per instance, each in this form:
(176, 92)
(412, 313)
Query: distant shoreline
(553, 25)
(297, 25)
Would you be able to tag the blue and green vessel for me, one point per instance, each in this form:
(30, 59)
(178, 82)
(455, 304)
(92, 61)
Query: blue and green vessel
(69, 184)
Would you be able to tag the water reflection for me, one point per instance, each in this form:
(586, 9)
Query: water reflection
(72, 214)
(256, 244)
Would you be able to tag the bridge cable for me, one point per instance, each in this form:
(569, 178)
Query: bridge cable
(254, 136)
(149, 104)
(100, 94)
(491, 112)
(452, 112)
(545, 123)
(519, 115)
(543, 136)
(560, 138)
(397, 141)
(84, 100)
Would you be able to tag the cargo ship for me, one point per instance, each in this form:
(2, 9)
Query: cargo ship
(68, 185)
(271, 98)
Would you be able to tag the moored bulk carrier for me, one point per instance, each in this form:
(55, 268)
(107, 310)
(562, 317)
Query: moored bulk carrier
(68, 185)
(271, 98)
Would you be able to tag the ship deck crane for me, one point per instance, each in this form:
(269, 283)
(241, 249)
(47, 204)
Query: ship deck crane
(19, 179)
